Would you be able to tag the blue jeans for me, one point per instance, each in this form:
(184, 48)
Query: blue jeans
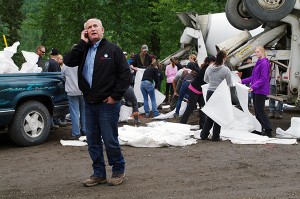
(77, 114)
(183, 91)
(272, 107)
(102, 128)
(147, 88)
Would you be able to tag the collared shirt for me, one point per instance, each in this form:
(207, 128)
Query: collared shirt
(89, 63)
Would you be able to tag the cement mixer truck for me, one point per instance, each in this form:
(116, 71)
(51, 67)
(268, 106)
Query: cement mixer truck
(281, 35)
(246, 24)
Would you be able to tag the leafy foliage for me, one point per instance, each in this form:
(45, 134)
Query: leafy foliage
(129, 23)
(11, 18)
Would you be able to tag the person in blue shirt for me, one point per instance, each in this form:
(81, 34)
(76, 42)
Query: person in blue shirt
(103, 78)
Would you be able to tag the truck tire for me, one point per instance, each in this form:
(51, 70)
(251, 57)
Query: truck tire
(269, 11)
(237, 16)
(31, 124)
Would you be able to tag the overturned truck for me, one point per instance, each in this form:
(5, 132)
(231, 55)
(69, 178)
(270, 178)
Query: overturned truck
(250, 23)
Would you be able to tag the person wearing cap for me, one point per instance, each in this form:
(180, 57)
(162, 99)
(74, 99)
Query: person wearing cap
(103, 78)
(141, 60)
(52, 65)
(40, 51)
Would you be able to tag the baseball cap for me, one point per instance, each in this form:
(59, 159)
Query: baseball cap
(145, 47)
(54, 51)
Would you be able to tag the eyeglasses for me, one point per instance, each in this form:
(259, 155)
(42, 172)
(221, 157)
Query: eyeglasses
(42, 51)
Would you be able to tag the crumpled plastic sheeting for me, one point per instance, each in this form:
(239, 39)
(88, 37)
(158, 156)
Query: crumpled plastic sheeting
(244, 137)
(73, 143)
(7, 65)
(220, 109)
(30, 65)
(236, 125)
(157, 134)
(171, 113)
(242, 94)
(292, 132)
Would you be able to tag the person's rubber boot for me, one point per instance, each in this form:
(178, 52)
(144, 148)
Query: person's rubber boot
(268, 132)
(257, 132)
(136, 119)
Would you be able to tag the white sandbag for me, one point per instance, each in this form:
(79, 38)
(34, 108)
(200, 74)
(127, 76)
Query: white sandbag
(7, 65)
(30, 65)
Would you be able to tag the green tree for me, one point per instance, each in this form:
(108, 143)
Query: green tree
(128, 23)
(31, 33)
(11, 19)
(170, 27)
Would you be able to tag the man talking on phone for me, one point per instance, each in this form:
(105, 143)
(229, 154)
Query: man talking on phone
(103, 77)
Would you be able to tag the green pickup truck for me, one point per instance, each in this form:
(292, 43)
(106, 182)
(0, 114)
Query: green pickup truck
(27, 103)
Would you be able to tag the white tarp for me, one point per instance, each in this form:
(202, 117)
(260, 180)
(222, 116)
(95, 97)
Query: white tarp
(157, 134)
(292, 132)
(236, 124)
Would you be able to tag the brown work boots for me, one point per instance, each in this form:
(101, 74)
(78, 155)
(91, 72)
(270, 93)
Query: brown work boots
(115, 180)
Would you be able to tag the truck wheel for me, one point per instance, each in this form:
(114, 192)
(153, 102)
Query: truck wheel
(238, 17)
(269, 11)
(31, 124)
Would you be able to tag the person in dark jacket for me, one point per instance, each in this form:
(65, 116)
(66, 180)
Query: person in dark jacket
(260, 88)
(103, 77)
(140, 60)
(52, 65)
(40, 51)
(148, 85)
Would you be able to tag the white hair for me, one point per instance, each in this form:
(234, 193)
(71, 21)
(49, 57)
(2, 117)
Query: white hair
(98, 20)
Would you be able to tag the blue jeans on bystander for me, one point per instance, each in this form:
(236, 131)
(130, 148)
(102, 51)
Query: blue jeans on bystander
(77, 114)
(102, 128)
(147, 88)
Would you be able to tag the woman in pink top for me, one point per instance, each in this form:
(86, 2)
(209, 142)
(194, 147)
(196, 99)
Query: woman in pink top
(170, 73)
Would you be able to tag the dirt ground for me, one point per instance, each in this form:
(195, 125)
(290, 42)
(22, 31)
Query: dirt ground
(204, 170)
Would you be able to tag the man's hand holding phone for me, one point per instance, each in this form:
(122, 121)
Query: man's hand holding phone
(84, 36)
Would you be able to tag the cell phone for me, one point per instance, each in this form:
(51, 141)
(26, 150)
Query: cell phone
(86, 35)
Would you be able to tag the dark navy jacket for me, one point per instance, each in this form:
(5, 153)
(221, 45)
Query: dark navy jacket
(111, 75)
